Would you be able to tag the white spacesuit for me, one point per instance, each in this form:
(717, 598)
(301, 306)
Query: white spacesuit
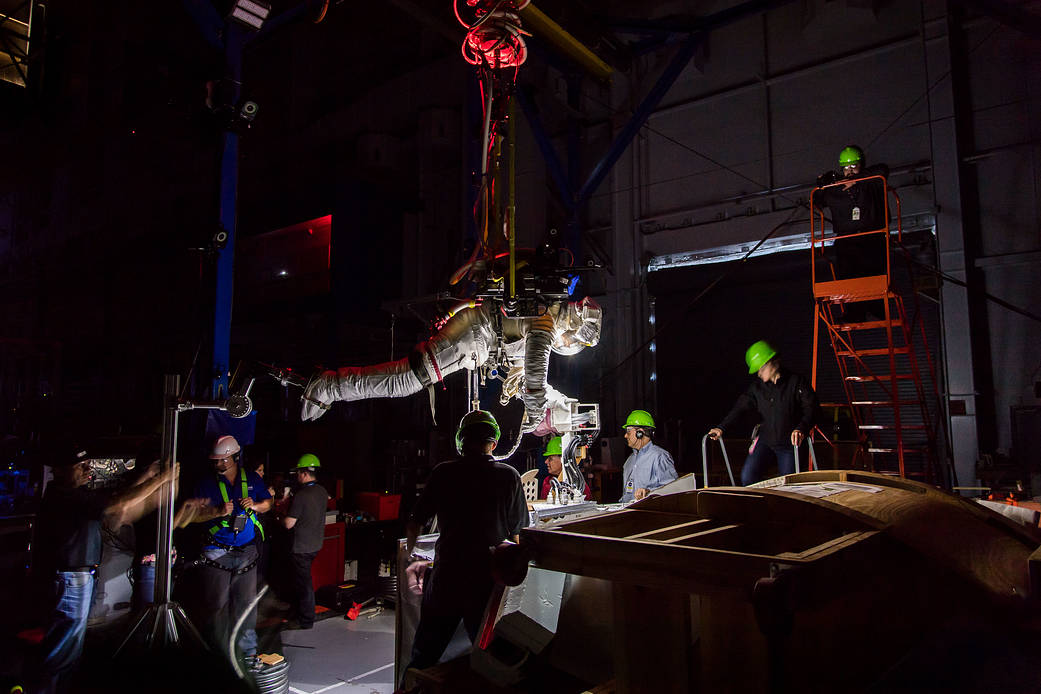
(470, 340)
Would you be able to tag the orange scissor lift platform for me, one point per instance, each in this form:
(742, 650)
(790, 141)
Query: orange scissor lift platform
(878, 359)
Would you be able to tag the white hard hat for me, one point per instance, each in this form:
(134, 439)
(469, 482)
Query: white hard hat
(225, 447)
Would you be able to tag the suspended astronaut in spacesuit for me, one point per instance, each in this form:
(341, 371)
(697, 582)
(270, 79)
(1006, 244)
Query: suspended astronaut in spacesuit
(469, 340)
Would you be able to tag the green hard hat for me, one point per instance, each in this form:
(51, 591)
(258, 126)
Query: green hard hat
(639, 418)
(474, 419)
(553, 447)
(851, 155)
(758, 354)
(308, 460)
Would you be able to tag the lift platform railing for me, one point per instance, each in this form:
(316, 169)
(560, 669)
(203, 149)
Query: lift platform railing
(860, 369)
(841, 291)
(730, 471)
(813, 456)
(704, 461)
(817, 221)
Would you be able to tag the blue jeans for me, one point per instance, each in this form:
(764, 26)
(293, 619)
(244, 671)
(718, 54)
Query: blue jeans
(761, 456)
(144, 585)
(67, 626)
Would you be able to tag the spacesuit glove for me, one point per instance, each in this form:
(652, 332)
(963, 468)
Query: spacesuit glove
(534, 405)
(318, 393)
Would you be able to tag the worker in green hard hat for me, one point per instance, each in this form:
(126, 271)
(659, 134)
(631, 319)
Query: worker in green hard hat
(786, 405)
(649, 466)
(479, 503)
(857, 205)
(306, 518)
(553, 457)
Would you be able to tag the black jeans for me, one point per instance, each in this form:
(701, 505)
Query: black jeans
(225, 596)
(456, 596)
(303, 588)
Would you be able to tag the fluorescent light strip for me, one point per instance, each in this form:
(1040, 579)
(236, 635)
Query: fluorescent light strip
(256, 8)
(247, 18)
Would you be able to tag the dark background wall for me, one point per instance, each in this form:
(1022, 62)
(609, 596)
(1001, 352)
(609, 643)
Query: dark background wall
(112, 178)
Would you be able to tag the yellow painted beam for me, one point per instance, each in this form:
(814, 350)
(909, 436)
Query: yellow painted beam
(541, 25)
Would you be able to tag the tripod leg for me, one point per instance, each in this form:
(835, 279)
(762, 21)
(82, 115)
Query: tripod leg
(159, 615)
(140, 621)
(186, 624)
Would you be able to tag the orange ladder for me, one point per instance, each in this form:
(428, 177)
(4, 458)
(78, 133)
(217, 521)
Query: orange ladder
(877, 359)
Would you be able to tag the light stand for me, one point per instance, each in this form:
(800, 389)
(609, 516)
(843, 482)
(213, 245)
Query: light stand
(167, 618)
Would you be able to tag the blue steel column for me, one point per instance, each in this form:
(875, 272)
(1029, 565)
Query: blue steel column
(646, 107)
(573, 237)
(538, 131)
(229, 186)
(231, 38)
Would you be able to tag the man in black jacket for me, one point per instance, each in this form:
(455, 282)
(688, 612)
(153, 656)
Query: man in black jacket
(857, 206)
(788, 407)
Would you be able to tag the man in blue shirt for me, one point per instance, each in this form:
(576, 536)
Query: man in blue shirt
(649, 466)
(233, 499)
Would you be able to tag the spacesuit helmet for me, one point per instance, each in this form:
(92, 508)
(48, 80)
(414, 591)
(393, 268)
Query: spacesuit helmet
(579, 325)
(476, 425)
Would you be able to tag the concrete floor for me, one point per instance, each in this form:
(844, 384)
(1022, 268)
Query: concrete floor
(339, 656)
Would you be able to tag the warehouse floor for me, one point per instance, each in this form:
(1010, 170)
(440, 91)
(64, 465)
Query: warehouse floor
(338, 655)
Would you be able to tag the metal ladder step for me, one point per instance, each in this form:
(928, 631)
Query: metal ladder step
(895, 473)
(882, 403)
(869, 379)
(873, 352)
(867, 325)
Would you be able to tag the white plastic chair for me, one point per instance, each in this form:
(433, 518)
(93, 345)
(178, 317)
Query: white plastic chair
(531, 485)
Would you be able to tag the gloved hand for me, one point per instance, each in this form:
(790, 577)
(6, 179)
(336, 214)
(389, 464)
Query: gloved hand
(316, 395)
(534, 406)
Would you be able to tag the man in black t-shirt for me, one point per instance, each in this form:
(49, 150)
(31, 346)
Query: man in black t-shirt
(479, 503)
(306, 518)
(67, 552)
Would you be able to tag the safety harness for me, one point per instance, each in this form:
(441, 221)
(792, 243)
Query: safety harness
(214, 529)
(203, 561)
